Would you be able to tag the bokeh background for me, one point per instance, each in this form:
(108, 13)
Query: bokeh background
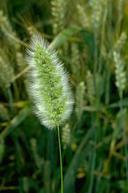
(91, 39)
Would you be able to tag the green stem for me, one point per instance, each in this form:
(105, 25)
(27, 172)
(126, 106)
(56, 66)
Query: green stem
(10, 99)
(125, 138)
(61, 164)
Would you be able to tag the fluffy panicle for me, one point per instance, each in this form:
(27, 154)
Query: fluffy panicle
(120, 73)
(48, 84)
(58, 14)
(66, 135)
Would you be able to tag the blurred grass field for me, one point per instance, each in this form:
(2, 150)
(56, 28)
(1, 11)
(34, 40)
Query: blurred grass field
(90, 37)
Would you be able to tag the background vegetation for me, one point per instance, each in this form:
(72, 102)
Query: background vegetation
(91, 39)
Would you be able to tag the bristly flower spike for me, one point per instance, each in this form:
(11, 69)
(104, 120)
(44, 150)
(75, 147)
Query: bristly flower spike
(48, 84)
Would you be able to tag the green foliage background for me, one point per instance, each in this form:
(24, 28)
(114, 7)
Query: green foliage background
(91, 39)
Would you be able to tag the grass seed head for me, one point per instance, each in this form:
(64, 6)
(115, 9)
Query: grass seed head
(48, 84)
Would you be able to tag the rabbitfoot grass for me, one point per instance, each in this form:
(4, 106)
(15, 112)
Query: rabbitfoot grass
(49, 88)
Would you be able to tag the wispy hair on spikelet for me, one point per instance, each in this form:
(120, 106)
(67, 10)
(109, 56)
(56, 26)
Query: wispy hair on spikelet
(48, 84)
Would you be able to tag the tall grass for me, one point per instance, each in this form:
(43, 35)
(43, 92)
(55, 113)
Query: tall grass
(91, 40)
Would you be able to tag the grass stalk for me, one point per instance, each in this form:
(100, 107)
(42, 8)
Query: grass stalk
(61, 163)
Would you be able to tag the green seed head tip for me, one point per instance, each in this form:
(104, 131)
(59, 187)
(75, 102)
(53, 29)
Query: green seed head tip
(48, 84)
